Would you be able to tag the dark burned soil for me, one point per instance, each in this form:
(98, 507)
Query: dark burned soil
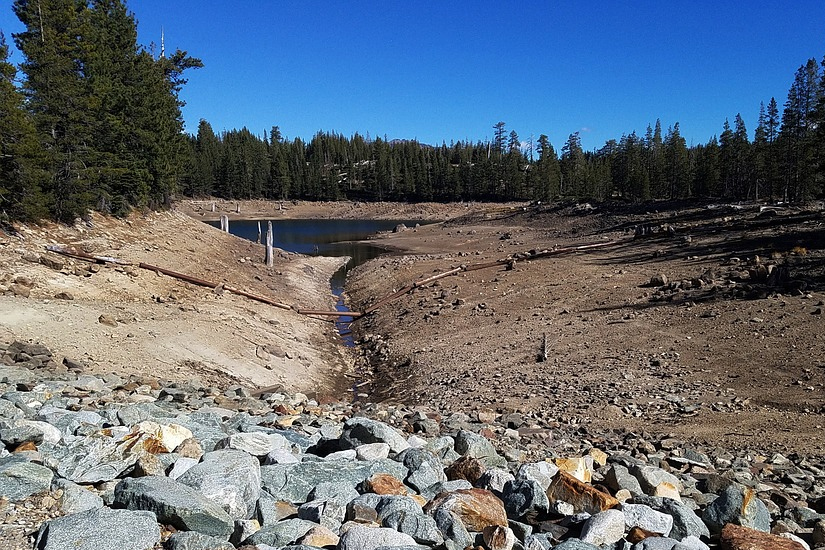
(701, 320)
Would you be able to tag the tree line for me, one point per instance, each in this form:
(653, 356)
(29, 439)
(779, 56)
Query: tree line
(780, 162)
(95, 123)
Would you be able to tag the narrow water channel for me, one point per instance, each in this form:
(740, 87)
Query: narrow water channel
(325, 238)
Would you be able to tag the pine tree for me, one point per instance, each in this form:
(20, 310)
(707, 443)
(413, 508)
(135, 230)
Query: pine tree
(21, 176)
(573, 166)
(677, 166)
(58, 96)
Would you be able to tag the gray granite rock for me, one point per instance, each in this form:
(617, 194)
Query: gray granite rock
(255, 443)
(739, 505)
(372, 451)
(471, 444)
(604, 528)
(359, 537)
(540, 472)
(359, 431)
(424, 467)
(685, 520)
(20, 478)
(281, 533)
(420, 527)
(328, 513)
(174, 503)
(619, 477)
(452, 528)
(229, 477)
(76, 498)
(521, 496)
(191, 540)
(494, 480)
(293, 482)
(342, 493)
(645, 517)
(575, 544)
(100, 529)
(445, 487)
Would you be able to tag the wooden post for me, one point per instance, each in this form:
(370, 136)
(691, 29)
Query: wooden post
(238, 208)
(269, 258)
(224, 223)
(213, 207)
(258, 240)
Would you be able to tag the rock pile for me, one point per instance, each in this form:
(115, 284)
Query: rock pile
(113, 463)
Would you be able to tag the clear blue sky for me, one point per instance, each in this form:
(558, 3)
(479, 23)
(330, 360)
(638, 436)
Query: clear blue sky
(442, 70)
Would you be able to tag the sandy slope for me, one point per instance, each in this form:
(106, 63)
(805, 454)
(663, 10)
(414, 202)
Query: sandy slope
(168, 328)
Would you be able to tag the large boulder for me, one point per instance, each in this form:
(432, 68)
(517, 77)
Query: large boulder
(175, 504)
(229, 477)
(100, 529)
(294, 482)
(739, 505)
(360, 431)
(20, 478)
(477, 508)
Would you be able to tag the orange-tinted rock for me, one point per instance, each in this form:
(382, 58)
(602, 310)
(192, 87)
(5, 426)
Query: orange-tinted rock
(637, 534)
(583, 497)
(25, 446)
(466, 467)
(477, 508)
(385, 484)
(735, 537)
(320, 536)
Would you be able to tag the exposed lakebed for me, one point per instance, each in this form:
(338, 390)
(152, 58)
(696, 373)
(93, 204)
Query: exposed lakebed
(325, 237)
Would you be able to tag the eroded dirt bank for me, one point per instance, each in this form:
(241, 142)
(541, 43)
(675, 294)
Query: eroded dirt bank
(132, 321)
(728, 349)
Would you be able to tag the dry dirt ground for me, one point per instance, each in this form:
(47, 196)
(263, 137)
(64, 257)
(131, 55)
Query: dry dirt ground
(730, 351)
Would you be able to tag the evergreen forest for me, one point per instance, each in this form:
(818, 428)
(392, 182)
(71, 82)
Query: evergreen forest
(91, 120)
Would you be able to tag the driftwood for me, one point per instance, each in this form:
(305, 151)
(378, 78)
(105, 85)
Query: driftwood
(508, 262)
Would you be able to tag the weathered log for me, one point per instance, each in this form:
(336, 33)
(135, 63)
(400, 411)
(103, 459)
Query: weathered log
(79, 254)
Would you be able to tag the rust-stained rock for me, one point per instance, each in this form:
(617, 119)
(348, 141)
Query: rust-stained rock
(385, 484)
(583, 497)
(477, 508)
(579, 467)
(25, 446)
(637, 534)
(157, 438)
(735, 537)
(466, 467)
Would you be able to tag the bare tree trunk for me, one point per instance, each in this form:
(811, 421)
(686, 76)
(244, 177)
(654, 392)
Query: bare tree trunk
(258, 240)
(224, 223)
(269, 257)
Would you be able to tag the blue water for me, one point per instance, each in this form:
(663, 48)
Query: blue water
(325, 238)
